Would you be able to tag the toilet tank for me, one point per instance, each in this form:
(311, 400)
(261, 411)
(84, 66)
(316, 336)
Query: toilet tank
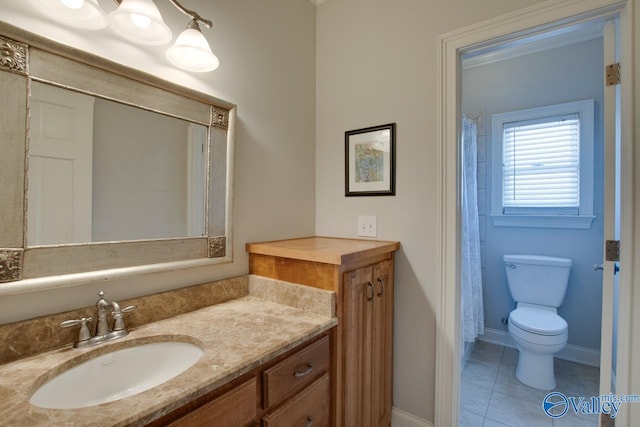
(535, 279)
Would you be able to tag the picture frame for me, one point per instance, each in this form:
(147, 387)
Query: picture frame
(370, 158)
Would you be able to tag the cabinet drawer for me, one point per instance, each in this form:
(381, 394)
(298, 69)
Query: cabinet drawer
(236, 408)
(309, 408)
(295, 373)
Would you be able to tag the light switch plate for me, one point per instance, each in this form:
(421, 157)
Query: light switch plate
(367, 226)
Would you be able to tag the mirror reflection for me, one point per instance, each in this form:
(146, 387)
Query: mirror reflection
(105, 171)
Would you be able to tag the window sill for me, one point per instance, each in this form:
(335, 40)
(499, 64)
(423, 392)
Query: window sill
(543, 221)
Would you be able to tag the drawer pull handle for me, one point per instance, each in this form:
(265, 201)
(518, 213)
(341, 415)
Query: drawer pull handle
(309, 421)
(303, 370)
(381, 291)
(371, 291)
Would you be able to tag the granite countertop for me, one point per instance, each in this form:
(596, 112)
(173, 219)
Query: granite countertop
(236, 336)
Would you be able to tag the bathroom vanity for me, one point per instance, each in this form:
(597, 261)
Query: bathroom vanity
(291, 388)
(266, 359)
(360, 272)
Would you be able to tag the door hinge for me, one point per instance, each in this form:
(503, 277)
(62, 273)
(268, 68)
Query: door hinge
(612, 73)
(612, 249)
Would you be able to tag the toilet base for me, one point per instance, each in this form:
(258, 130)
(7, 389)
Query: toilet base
(536, 370)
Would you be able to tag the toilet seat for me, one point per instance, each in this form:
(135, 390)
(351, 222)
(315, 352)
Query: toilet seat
(538, 321)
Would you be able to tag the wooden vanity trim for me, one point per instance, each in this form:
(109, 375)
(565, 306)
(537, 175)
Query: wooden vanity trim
(328, 250)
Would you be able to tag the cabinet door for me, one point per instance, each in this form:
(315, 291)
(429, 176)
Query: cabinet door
(382, 345)
(359, 294)
(368, 345)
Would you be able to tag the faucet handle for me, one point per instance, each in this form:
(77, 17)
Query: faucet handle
(84, 333)
(129, 308)
(118, 315)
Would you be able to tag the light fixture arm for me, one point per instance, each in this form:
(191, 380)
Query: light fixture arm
(192, 14)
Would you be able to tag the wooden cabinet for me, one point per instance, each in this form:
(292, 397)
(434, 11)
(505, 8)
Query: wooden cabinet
(295, 372)
(361, 274)
(308, 408)
(235, 408)
(291, 390)
(367, 344)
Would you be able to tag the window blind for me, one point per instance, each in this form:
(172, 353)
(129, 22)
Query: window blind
(541, 164)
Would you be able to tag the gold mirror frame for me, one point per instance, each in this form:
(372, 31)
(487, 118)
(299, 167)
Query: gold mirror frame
(25, 58)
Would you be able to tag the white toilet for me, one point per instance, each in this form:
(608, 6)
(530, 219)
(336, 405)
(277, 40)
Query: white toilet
(538, 285)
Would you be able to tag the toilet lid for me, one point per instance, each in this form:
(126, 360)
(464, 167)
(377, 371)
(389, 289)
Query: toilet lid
(538, 321)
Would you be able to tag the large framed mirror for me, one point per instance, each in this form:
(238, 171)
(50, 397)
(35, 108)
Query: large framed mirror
(105, 171)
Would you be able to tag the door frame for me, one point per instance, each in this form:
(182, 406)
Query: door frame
(528, 21)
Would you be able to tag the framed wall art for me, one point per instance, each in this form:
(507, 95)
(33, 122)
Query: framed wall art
(370, 159)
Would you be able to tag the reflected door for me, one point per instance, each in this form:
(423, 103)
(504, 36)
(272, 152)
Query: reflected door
(60, 167)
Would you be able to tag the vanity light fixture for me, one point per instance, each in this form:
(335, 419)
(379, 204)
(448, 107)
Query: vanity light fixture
(191, 51)
(139, 21)
(83, 14)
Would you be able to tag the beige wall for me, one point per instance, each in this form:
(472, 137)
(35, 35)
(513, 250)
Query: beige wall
(377, 63)
(267, 55)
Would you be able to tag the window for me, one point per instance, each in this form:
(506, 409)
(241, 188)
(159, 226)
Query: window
(543, 166)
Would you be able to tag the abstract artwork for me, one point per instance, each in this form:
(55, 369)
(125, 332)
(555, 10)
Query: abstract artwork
(370, 161)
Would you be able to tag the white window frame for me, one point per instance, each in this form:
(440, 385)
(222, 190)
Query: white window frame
(546, 218)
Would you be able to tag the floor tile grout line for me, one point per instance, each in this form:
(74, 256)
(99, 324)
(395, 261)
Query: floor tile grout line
(495, 380)
(500, 365)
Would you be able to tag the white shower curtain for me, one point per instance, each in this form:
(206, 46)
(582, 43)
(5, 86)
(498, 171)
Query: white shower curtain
(471, 274)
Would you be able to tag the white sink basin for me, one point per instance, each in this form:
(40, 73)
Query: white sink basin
(116, 375)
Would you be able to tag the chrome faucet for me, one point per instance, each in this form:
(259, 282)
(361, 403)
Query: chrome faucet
(103, 332)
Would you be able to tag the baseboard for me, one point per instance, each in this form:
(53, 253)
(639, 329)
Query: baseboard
(400, 418)
(496, 336)
(573, 353)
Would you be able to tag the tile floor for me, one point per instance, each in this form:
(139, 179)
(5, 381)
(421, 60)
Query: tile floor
(492, 396)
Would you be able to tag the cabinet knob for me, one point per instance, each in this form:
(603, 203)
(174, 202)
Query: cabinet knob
(371, 291)
(309, 421)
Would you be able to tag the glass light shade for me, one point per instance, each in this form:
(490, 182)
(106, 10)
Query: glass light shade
(191, 52)
(140, 21)
(82, 14)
